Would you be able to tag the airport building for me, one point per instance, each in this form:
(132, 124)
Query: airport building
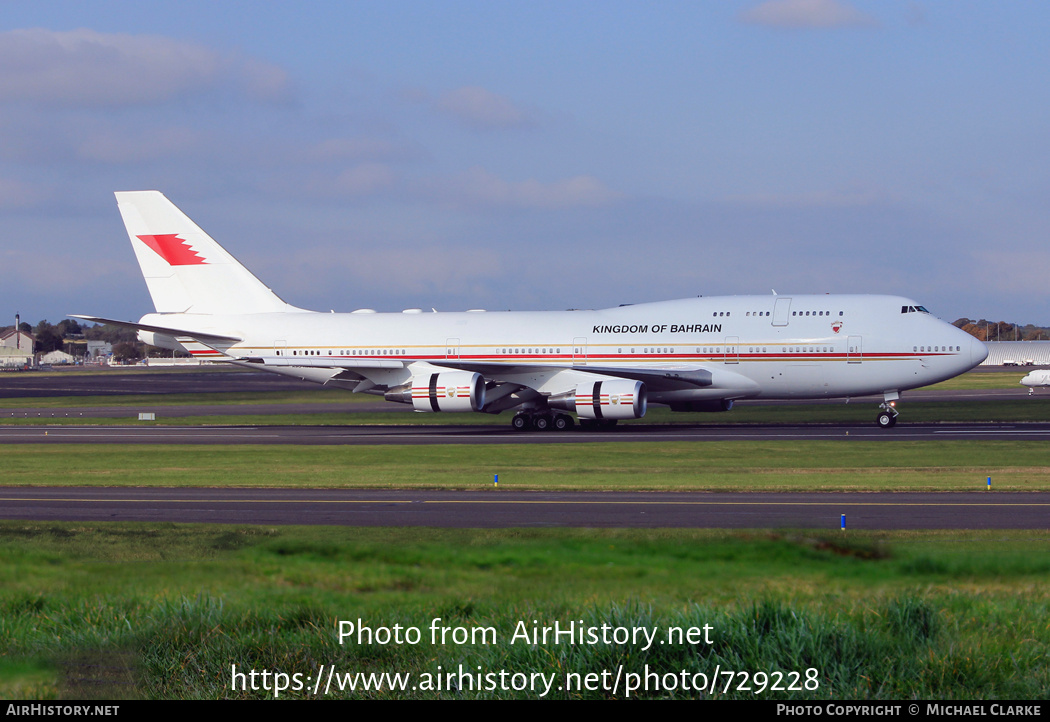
(1017, 353)
(16, 349)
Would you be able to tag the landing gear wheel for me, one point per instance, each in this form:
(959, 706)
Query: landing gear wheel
(541, 423)
(562, 422)
(886, 420)
(521, 422)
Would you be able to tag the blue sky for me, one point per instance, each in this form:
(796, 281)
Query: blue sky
(535, 155)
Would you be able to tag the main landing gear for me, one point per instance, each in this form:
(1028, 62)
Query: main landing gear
(542, 422)
(887, 417)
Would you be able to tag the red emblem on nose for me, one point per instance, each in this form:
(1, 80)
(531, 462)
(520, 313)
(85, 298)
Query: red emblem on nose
(173, 249)
(837, 326)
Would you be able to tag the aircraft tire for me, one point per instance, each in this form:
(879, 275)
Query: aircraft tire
(521, 423)
(562, 422)
(886, 420)
(542, 423)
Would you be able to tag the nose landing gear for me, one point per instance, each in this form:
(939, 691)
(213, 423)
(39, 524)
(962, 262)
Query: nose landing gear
(887, 417)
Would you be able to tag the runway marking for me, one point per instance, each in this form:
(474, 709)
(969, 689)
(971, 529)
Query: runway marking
(520, 501)
(997, 431)
(64, 434)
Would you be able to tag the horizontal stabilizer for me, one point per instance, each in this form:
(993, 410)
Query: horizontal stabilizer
(175, 332)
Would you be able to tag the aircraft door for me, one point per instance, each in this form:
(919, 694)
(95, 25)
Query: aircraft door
(781, 311)
(732, 349)
(579, 351)
(452, 348)
(280, 348)
(854, 350)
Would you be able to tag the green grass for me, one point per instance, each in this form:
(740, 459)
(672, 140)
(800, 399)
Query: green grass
(237, 398)
(976, 380)
(941, 615)
(752, 465)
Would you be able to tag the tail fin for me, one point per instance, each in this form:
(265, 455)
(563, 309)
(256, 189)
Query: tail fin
(185, 269)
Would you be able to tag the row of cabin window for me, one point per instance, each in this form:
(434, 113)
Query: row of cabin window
(533, 350)
(380, 352)
(699, 350)
(793, 313)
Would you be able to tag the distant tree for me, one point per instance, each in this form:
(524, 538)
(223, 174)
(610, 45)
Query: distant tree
(126, 351)
(68, 328)
(48, 338)
(110, 334)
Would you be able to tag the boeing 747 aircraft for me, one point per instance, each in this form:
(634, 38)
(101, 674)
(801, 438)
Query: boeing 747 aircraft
(696, 354)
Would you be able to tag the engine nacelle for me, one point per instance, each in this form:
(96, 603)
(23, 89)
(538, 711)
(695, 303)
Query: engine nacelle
(621, 399)
(160, 341)
(445, 391)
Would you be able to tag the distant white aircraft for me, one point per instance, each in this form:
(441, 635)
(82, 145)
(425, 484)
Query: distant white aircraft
(697, 354)
(1036, 378)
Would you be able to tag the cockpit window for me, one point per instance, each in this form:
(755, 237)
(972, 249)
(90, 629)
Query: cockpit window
(913, 309)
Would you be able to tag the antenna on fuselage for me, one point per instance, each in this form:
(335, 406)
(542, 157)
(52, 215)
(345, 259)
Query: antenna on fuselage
(774, 291)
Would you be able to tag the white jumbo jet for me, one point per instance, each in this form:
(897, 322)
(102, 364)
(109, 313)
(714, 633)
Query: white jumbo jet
(696, 354)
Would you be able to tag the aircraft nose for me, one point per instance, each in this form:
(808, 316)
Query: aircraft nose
(978, 351)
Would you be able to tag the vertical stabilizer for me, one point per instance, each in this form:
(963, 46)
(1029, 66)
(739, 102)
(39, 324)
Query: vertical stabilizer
(185, 269)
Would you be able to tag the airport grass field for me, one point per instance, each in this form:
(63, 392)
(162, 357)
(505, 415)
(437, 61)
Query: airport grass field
(749, 465)
(117, 610)
(172, 611)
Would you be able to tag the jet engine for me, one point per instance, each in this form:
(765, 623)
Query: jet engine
(445, 391)
(160, 340)
(619, 399)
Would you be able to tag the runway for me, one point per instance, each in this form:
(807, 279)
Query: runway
(492, 508)
(465, 434)
(507, 509)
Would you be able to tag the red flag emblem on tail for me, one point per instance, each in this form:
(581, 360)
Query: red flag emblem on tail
(173, 249)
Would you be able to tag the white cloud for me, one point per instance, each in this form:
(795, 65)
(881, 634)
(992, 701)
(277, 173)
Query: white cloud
(17, 194)
(1016, 273)
(807, 14)
(361, 148)
(348, 274)
(135, 147)
(87, 68)
(481, 109)
(365, 179)
(814, 199)
(479, 187)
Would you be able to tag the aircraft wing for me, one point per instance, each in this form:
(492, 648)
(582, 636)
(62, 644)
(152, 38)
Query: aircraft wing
(509, 385)
(657, 378)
